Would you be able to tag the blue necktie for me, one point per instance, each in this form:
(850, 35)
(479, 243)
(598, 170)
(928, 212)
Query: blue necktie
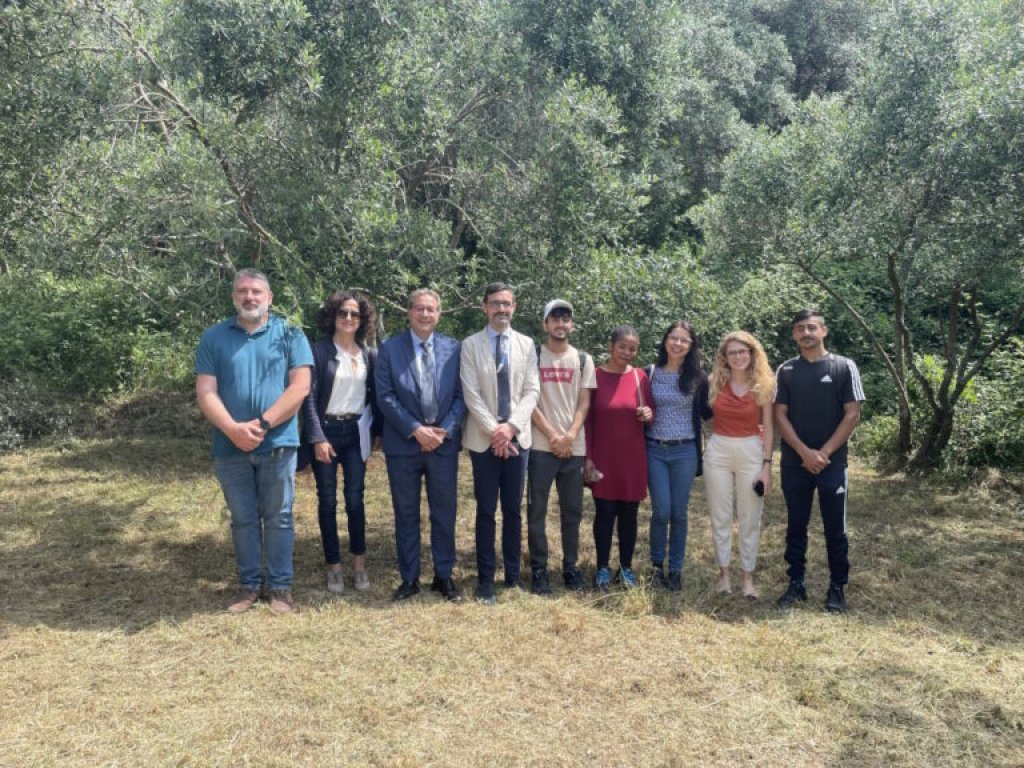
(428, 394)
(504, 388)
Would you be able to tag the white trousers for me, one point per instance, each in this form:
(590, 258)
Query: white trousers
(731, 465)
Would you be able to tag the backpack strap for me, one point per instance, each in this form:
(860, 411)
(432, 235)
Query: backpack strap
(582, 355)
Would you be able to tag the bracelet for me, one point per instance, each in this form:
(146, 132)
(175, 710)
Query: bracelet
(766, 461)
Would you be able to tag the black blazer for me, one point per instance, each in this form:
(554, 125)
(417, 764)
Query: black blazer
(315, 405)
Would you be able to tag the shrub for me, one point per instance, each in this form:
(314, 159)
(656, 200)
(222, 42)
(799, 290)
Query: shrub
(68, 335)
(989, 428)
(28, 413)
(877, 438)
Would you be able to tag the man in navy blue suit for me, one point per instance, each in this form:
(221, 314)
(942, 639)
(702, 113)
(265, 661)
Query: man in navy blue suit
(420, 397)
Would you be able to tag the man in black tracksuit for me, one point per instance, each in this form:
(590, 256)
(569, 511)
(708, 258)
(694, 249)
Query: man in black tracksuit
(817, 406)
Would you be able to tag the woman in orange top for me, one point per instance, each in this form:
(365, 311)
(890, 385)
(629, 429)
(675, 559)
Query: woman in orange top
(738, 460)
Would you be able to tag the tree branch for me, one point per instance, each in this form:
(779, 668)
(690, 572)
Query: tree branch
(195, 126)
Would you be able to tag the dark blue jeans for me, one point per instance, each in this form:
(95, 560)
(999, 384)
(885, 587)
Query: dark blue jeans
(344, 438)
(798, 486)
(494, 477)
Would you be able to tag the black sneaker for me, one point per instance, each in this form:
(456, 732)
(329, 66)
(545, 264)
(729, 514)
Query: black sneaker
(835, 601)
(675, 581)
(796, 592)
(574, 580)
(539, 582)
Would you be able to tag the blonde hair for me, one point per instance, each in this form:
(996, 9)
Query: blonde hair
(759, 374)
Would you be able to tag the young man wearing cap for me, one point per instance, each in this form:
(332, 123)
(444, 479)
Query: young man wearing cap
(559, 446)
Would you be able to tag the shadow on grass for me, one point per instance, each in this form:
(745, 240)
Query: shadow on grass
(917, 554)
(159, 460)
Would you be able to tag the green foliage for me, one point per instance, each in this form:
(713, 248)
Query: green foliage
(162, 361)
(989, 429)
(878, 438)
(823, 37)
(899, 202)
(29, 413)
(74, 336)
(149, 149)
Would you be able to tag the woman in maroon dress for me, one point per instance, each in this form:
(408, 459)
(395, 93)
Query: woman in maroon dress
(616, 463)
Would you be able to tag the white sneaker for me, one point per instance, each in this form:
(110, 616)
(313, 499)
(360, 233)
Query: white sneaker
(362, 581)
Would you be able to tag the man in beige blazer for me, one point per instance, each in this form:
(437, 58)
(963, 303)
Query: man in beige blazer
(500, 386)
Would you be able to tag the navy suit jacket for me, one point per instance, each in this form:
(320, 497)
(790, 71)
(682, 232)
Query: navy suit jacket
(398, 393)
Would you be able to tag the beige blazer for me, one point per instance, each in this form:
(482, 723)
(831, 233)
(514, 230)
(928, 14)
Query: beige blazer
(480, 388)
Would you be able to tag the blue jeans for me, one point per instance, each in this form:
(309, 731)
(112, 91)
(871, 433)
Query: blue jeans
(259, 490)
(344, 439)
(670, 473)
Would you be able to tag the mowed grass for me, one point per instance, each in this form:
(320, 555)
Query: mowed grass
(115, 648)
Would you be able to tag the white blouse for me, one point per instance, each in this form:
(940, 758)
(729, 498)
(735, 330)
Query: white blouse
(348, 393)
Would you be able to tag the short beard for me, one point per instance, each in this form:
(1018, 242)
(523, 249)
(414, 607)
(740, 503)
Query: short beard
(252, 315)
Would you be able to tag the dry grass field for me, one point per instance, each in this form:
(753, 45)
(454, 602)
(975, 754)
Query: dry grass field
(115, 649)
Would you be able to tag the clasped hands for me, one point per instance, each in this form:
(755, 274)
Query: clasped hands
(502, 441)
(247, 435)
(814, 461)
(429, 438)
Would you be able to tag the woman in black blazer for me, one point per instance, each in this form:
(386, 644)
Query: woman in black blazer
(339, 426)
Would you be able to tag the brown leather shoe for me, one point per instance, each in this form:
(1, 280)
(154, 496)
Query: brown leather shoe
(281, 601)
(243, 600)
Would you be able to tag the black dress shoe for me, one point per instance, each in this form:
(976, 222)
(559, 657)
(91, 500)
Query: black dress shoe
(406, 590)
(516, 583)
(539, 584)
(485, 593)
(447, 588)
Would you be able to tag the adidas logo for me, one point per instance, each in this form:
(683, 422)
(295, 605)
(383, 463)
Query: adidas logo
(841, 491)
(826, 379)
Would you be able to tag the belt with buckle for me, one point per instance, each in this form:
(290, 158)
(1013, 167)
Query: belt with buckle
(341, 416)
(666, 443)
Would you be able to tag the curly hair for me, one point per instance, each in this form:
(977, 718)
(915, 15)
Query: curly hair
(689, 372)
(329, 311)
(760, 377)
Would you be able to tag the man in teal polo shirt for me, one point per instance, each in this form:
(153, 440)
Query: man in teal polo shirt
(252, 374)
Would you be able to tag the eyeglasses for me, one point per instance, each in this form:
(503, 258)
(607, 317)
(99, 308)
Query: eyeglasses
(497, 304)
(349, 313)
(737, 352)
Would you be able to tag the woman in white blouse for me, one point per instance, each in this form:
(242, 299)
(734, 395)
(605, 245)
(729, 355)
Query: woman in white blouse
(337, 426)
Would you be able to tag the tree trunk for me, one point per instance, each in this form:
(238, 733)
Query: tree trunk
(936, 438)
(903, 436)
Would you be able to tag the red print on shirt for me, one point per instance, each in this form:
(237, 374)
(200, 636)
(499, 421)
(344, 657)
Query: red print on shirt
(556, 375)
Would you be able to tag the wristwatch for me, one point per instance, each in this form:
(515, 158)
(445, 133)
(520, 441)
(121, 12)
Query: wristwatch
(264, 424)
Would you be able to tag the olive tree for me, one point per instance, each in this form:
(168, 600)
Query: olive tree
(901, 200)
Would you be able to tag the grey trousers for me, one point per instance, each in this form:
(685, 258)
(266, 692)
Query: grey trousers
(567, 474)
